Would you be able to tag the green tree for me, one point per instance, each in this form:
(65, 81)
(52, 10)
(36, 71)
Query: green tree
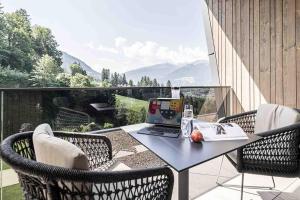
(89, 127)
(44, 73)
(147, 82)
(19, 52)
(63, 79)
(168, 83)
(105, 84)
(105, 74)
(22, 45)
(79, 80)
(124, 81)
(76, 69)
(114, 80)
(142, 114)
(120, 80)
(45, 43)
(2, 30)
(130, 83)
(3, 39)
(155, 84)
(108, 125)
(12, 78)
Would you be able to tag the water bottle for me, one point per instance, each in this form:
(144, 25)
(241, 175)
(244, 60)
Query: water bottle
(186, 121)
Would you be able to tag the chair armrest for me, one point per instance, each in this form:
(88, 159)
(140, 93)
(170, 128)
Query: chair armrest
(98, 148)
(151, 183)
(278, 148)
(245, 120)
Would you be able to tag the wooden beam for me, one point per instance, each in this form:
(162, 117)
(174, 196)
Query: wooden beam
(256, 54)
(265, 53)
(273, 52)
(298, 50)
(289, 53)
(278, 52)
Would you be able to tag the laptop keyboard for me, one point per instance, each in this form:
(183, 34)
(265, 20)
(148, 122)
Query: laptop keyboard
(164, 130)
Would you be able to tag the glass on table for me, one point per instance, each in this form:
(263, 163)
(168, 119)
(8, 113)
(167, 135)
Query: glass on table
(186, 121)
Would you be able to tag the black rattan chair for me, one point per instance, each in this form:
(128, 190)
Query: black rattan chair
(41, 181)
(276, 154)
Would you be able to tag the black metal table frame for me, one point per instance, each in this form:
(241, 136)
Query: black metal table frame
(182, 154)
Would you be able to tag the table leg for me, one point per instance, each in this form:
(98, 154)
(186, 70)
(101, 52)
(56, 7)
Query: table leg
(183, 185)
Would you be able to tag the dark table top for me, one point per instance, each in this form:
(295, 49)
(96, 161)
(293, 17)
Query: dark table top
(180, 153)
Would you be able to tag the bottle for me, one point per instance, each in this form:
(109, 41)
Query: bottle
(186, 121)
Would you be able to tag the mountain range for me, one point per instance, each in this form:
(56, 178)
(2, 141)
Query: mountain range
(195, 73)
(67, 60)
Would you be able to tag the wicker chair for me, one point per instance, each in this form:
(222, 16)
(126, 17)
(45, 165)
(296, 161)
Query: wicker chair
(276, 154)
(41, 181)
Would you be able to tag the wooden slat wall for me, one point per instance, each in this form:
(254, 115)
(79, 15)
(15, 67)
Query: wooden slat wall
(257, 46)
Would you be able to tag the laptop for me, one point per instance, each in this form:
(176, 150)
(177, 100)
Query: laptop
(165, 114)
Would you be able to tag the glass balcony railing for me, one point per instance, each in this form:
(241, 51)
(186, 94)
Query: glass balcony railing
(91, 109)
(98, 109)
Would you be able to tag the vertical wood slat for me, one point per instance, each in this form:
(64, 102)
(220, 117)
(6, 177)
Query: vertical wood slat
(278, 52)
(210, 13)
(262, 43)
(223, 41)
(251, 52)
(265, 50)
(238, 50)
(234, 98)
(256, 54)
(228, 45)
(245, 54)
(273, 52)
(298, 50)
(220, 40)
(215, 25)
(289, 53)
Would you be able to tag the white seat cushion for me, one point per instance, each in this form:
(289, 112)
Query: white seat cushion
(58, 152)
(43, 129)
(273, 116)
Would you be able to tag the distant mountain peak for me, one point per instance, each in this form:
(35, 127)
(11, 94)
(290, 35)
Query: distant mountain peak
(68, 59)
(194, 73)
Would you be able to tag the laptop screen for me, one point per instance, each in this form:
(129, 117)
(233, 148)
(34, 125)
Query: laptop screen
(165, 112)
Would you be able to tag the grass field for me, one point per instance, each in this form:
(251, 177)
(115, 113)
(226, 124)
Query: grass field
(12, 192)
(131, 103)
(5, 166)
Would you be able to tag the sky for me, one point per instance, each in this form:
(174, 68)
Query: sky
(122, 34)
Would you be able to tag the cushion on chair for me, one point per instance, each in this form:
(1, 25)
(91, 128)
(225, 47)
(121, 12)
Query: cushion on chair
(43, 129)
(55, 151)
(269, 117)
(273, 116)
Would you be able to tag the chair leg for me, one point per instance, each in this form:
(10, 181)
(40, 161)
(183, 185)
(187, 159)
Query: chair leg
(250, 186)
(242, 186)
(220, 171)
(273, 183)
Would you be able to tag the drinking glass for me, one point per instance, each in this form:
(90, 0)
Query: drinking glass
(186, 121)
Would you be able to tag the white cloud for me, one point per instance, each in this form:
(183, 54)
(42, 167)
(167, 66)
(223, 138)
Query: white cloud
(120, 41)
(90, 45)
(101, 48)
(107, 49)
(134, 54)
(155, 53)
